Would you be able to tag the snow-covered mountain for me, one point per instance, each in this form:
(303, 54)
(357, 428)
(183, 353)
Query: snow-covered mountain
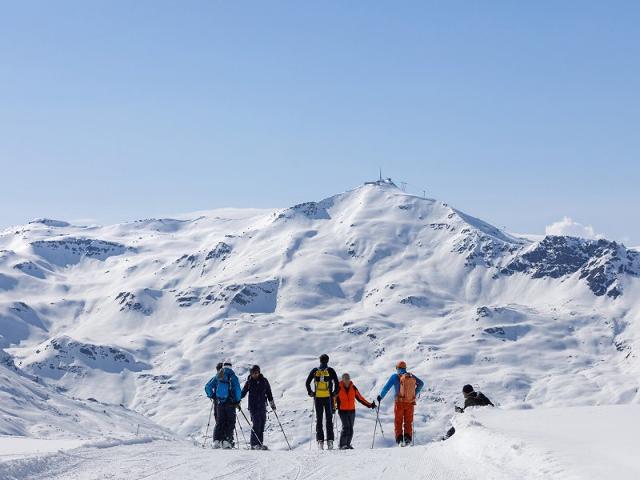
(139, 313)
(31, 409)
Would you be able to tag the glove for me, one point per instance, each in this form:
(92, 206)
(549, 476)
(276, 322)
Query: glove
(459, 410)
(311, 394)
(237, 405)
(373, 405)
(379, 398)
(273, 405)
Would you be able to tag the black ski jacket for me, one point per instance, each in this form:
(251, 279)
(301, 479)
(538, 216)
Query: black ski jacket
(477, 399)
(333, 380)
(259, 392)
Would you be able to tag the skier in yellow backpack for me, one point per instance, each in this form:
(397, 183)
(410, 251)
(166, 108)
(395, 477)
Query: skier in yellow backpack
(326, 382)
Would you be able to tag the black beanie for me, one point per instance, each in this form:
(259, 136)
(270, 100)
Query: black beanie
(255, 369)
(324, 358)
(219, 367)
(467, 389)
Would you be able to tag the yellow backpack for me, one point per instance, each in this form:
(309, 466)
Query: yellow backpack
(322, 379)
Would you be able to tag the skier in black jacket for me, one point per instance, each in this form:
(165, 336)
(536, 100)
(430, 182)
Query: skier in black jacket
(471, 399)
(326, 388)
(259, 390)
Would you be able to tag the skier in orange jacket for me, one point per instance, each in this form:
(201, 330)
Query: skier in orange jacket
(346, 400)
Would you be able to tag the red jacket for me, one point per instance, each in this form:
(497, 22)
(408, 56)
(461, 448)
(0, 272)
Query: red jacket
(347, 397)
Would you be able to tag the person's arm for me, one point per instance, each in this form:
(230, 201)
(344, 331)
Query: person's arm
(393, 379)
(419, 385)
(235, 383)
(209, 388)
(469, 402)
(245, 389)
(309, 380)
(486, 399)
(269, 393)
(361, 399)
(334, 382)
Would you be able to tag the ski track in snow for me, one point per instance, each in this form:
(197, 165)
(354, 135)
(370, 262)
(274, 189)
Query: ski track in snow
(170, 460)
(584, 443)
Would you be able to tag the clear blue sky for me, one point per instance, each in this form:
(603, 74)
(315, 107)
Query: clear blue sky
(517, 112)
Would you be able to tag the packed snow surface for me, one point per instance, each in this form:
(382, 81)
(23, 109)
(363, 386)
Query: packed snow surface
(550, 444)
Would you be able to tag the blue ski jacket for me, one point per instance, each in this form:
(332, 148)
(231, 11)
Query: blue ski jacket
(394, 381)
(224, 387)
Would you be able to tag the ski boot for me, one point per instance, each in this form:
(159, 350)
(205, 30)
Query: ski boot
(320, 445)
(217, 444)
(329, 444)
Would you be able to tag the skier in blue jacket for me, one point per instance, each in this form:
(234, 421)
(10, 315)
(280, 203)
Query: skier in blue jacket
(407, 387)
(224, 389)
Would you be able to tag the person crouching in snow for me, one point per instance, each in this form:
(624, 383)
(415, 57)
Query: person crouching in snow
(471, 399)
(224, 389)
(407, 387)
(346, 400)
(259, 390)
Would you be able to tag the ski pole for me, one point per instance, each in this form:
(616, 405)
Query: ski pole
(208, 425)
(250, 426)
(333, 423)
(313, 414)
(413, 434)
(243, 435)
(380, 423)
(375, 428)
(237, 438)
(284, 434)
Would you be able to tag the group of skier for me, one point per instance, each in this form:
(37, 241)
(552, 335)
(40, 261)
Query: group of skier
(225, 393)
(330, 395)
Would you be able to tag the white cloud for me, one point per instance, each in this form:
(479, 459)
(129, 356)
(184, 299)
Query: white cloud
(568, 226)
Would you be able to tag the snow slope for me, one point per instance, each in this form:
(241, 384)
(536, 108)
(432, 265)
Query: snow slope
(550, 444)
(31, 409)
(139, 313)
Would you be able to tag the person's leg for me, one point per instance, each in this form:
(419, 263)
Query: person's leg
(350, 420)
(319, 410)
(254, 428)
(258, 425)
(329, 414)
(228, 411)
(343, 434)
(232, 422)
(408, 422)
(219, 430)
(397, 424)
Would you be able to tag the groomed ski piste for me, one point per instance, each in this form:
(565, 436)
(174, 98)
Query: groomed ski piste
(565, 443)
(109, 333)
